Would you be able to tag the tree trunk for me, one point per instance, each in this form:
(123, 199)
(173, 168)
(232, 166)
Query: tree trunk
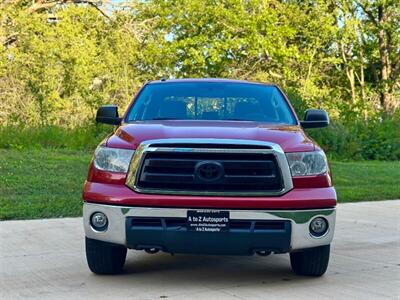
(387, 101)
(349, 74)
(386, 96)
(361, 78)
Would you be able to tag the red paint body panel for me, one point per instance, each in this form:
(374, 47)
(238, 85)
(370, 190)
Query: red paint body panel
(116, 194)
(290, 138)
(96, 175)
(307, 182)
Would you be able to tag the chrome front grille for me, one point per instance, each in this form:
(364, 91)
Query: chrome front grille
(245, 172)
(209, 167)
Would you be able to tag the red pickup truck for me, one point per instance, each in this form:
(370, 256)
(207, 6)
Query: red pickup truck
(209, 166)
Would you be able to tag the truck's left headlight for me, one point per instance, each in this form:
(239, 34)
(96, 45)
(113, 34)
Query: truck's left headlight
(112, 159)
(307, 163)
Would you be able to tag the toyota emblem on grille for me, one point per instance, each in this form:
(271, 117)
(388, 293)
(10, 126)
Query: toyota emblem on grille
(209, 171)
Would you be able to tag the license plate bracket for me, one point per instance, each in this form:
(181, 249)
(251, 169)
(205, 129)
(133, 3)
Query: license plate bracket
(208, 220)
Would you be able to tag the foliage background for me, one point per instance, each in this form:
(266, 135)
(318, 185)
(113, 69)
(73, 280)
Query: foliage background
(60, 60)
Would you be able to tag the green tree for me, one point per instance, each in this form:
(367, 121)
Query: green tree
(60, 59)
(69, 60)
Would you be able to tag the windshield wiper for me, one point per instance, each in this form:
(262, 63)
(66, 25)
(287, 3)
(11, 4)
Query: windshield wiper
(244, 120)
(166, 118)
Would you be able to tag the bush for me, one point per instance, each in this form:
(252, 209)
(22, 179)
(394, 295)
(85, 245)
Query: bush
(12, 137)
(372, 140)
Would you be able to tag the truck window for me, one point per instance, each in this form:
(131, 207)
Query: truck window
(211, 101)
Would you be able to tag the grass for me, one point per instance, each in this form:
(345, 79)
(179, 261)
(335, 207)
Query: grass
(54, 137)
(48, 183)
(366, 180)
(41, 183)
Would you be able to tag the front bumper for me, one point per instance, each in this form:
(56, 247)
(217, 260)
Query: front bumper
(294, 234)
(297, 198)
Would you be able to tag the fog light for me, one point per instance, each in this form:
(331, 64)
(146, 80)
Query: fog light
(318, 226)
(99, 221)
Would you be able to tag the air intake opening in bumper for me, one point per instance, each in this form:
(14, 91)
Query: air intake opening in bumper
(244, 237)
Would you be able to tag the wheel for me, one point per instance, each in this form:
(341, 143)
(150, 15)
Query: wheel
(310, 262)
(104, 258)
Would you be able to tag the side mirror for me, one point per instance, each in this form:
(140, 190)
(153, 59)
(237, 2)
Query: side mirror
(108, 114)
(315, 118)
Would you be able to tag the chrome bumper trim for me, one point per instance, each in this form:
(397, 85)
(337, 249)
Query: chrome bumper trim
(300, 220)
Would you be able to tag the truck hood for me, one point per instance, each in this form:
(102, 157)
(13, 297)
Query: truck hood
(290, 138)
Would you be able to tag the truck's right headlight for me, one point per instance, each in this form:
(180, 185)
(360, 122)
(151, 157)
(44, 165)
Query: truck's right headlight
(112, 159)
(307, 163)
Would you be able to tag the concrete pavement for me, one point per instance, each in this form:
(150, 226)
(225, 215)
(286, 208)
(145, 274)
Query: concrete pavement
(44, 259)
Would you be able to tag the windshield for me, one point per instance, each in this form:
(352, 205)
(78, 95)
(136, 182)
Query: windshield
(211, 101)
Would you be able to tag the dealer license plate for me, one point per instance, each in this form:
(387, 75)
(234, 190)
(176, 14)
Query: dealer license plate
(208, 220)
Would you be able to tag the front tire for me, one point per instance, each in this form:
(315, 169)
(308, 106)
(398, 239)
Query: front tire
(104, 258)
(310, 262)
